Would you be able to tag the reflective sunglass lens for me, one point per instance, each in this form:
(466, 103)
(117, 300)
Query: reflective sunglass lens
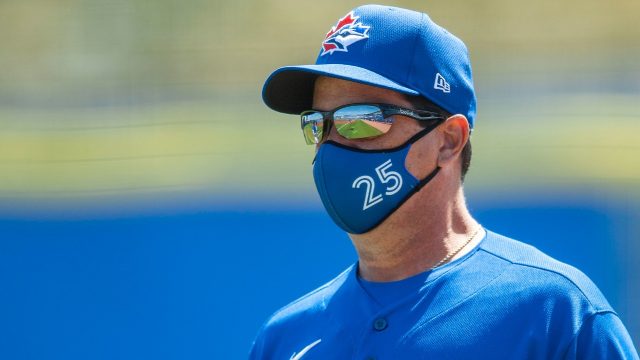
(361, 121)
(312, 127)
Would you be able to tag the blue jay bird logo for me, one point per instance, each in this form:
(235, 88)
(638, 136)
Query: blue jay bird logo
(346, 32)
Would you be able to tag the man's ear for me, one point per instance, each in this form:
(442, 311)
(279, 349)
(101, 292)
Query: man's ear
(454, 134)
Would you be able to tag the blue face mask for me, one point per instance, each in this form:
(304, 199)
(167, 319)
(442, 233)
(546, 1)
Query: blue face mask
(361, 188)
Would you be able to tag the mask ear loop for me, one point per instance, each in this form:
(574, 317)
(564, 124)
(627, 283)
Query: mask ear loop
(423, 132)
(435, 171)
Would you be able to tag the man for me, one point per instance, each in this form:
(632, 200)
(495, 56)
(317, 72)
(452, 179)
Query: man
(390, 106)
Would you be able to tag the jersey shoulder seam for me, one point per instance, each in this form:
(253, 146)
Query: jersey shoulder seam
(594, 309)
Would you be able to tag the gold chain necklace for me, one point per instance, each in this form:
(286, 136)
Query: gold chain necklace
(452, 254)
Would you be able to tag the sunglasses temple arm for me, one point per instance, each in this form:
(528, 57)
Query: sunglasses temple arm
(416, 115)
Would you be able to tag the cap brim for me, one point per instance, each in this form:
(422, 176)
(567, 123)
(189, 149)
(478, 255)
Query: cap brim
(289, 89)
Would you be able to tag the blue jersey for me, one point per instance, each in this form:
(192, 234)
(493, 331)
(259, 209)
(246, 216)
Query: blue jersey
(503, 300)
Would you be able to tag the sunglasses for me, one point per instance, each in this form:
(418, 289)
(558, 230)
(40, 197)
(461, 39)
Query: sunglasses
(358, 121)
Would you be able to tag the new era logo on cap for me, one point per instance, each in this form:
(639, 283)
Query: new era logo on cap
(441, 84)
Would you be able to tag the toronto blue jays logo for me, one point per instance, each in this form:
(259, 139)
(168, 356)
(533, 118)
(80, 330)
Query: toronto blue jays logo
(346, 32)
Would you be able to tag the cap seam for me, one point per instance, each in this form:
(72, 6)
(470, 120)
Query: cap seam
(413, 54)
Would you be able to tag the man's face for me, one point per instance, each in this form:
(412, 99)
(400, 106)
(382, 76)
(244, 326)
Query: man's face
(330, 93)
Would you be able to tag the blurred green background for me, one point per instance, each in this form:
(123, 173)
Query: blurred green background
(128, 108)
(160, 100)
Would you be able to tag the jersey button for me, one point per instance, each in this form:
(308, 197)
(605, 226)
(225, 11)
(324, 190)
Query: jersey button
(380, 324)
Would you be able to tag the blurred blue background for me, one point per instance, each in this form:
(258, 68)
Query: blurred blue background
(152, 207)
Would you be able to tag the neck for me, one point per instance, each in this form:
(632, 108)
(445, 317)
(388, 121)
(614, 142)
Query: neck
(403, 246)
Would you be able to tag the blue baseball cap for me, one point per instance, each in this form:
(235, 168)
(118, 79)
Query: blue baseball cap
(387, 47)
